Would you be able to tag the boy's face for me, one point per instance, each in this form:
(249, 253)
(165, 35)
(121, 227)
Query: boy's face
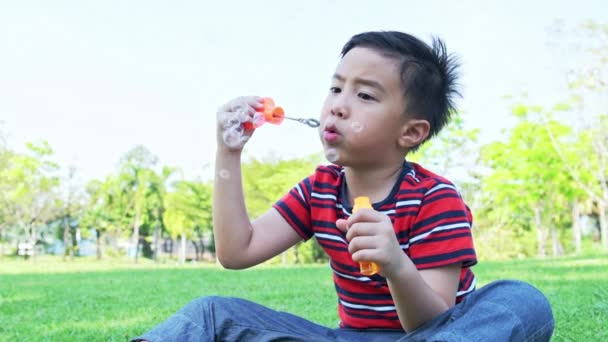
(362, 117)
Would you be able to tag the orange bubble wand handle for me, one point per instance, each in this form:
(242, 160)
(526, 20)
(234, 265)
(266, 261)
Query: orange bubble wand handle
(274, 115)
(268, 113)
(365, 267)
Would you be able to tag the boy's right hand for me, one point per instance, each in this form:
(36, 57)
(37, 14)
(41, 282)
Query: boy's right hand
(231, 136)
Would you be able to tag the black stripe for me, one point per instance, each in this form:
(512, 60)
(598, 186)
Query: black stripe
(295, 194)
(364, 296)
(466, 233)
(431, 198)
(407, 191)
(300, 225)
(323, 244)
(436, 218)
(445, 256)
(388, 315)
(315, 204)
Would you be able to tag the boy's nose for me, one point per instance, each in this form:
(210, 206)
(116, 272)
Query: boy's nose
(339, 112)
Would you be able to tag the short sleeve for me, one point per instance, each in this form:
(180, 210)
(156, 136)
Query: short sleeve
(295, 207)
(441, 234)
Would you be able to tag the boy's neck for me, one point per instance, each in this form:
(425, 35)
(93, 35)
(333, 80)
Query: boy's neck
(375, 183)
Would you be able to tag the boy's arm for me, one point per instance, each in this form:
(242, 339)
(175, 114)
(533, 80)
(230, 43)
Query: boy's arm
(420, 296)
(424, 282)
(239, 242)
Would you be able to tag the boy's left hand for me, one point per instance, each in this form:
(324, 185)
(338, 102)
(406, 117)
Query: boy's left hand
(371, 238)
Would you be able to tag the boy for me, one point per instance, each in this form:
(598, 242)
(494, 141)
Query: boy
(390, 93)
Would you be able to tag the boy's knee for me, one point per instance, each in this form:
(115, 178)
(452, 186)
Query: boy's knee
(212, 303)
(524, 293)
(525, 301)
(202, 304)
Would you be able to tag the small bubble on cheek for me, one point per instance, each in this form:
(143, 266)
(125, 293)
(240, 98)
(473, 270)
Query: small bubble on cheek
(357, 127)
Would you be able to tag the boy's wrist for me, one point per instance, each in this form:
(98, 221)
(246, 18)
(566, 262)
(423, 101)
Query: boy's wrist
(402, 269)
(223, 150)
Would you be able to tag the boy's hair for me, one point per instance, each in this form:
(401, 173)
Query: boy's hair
(428, 73)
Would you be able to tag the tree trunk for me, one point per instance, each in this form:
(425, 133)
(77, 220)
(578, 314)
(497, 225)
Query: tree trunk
(540, 234)
(77, 239)
(196, 250)
(156, 242)
(172, 248)
(296, 254)
(603, 226)
(98, 244)
(136, 235)
(576, 228)
(182, 252)
(202, 241)
(557, 247)
(67, 240)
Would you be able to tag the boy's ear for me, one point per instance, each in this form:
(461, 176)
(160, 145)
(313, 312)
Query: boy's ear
(413, 133)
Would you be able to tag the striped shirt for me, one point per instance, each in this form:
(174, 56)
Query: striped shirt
(431, 222)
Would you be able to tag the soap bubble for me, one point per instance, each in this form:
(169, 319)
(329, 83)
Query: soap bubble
(224, 174)
(357, 127)
(258, 119)
(332, 155)
(232, 138)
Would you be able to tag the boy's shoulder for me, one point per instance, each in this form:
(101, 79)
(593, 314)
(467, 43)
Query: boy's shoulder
(328, 172)
(422, 177)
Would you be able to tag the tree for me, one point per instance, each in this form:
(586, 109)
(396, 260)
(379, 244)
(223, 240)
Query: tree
(265, 182)
(188, 213)
(588, 84)
(453, 152)
(106, 209)
(526, 187)
(136, 177)
(30, 197)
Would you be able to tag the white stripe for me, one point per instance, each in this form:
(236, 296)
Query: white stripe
(345, 212)
(471, 288)
(406, 203)
(329, 237)
(412, 173)
(362, 279)
(440, 186)
(441, 228)
(300, 192)
(318, 195)
(387, 212)
(406, 246)
(373, 308)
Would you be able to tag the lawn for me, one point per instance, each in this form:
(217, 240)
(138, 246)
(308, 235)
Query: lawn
(86, 300)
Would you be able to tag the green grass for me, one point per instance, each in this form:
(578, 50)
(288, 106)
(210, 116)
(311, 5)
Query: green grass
(51, 300)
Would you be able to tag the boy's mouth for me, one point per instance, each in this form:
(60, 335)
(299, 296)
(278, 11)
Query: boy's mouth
(331, 133)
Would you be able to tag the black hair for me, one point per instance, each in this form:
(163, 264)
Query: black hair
(428, 73)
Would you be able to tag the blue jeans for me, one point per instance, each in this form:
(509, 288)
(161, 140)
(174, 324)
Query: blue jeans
(501, 311)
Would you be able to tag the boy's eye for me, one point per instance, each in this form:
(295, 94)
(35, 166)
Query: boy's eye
(334, 90)
(366, 97)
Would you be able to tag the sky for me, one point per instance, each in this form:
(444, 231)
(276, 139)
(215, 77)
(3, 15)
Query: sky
(97, 78)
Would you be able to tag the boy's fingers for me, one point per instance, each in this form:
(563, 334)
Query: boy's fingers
(360, 243)
(342, 225)
(361, 229)
(243, 103)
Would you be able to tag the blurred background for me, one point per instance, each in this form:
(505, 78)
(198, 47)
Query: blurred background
(107, 118)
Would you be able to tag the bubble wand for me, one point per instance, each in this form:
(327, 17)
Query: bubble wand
(365, 267)
(274, 115)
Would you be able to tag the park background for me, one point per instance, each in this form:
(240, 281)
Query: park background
(107, 119)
